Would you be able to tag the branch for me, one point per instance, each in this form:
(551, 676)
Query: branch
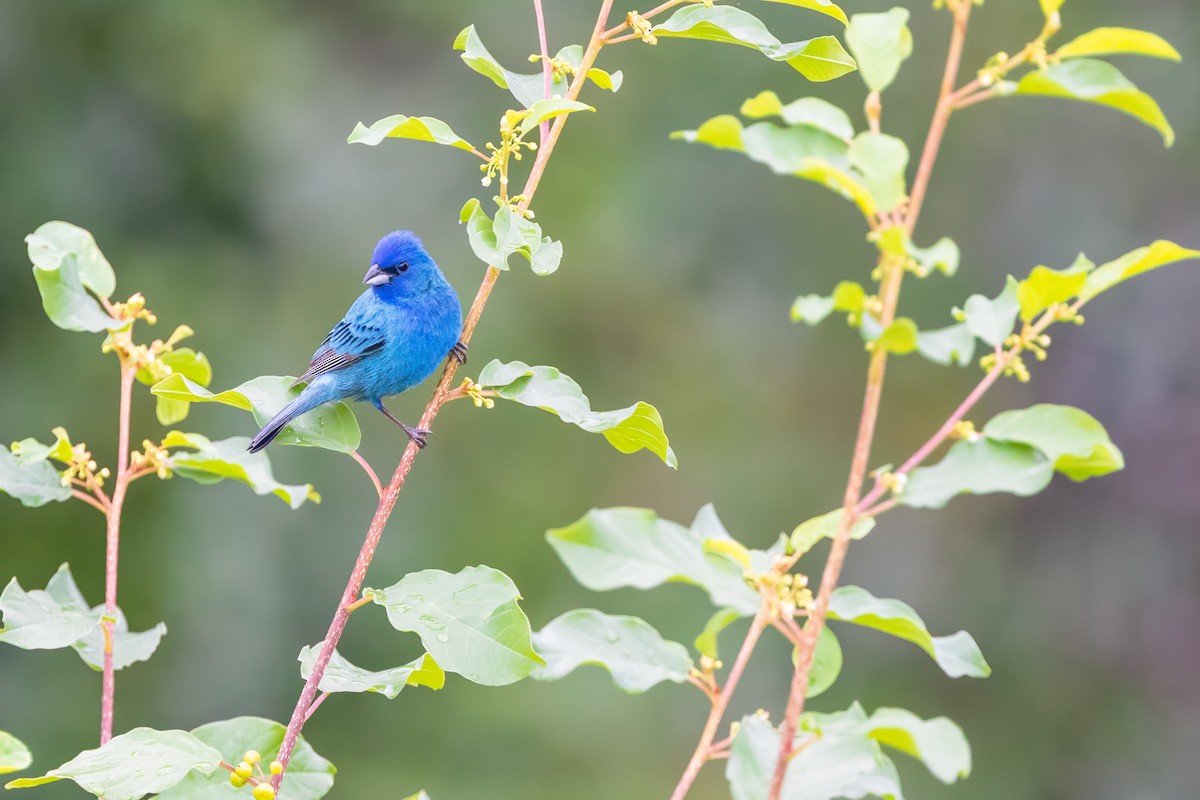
(357, 456)
(704, 749)
(547, 67)
(91, 501)
(866, 429)
(112, 543)
(387, 500)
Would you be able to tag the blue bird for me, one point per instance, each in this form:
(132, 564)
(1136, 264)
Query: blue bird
(391, 339)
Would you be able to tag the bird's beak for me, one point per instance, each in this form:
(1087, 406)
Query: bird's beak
(375, 276)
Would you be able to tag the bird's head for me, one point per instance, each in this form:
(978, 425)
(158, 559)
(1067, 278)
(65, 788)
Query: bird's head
(400, 261)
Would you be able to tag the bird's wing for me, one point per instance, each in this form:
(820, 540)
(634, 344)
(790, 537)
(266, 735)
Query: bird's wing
(349, 342)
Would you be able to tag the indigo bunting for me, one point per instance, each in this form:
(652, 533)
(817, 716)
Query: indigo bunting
(392, 338)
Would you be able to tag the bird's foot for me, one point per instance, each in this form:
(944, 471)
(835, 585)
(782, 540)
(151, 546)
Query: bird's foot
(419, 436)
(459, 352)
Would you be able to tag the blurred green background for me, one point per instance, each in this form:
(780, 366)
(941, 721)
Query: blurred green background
(204, 145)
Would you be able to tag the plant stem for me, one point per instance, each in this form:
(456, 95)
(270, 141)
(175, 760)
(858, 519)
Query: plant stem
(1003, 358)
(893, 276)
(547, 67)
(357, 456)
(112, 542)
(391, 492)
(91, 501)
(704, 748)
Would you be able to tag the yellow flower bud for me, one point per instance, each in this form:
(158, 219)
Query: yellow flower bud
(264, 791)
(243, 770)
(236, 782)
(252, 757)
(276, 767)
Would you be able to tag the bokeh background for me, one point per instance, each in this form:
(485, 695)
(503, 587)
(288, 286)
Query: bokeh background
(204, 145)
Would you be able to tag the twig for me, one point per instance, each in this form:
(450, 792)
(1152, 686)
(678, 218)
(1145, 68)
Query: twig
(112, 542)
(387, 501)
(547, 67)
(315, 705)
(91, 501)
(607, 35)
(701, 754)
(866, 429)
(362, 462)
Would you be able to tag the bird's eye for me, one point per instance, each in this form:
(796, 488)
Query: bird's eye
(403, 266)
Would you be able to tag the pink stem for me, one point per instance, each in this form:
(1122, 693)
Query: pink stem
(391, 492)
(357, 456)
(547, 68)
(112, 542)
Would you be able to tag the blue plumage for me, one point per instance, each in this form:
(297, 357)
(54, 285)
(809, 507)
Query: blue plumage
(391, 339)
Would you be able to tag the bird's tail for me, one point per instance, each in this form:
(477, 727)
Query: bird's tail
(306, 401)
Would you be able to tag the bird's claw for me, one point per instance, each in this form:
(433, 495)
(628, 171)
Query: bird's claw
(459, 352)
(419, 436)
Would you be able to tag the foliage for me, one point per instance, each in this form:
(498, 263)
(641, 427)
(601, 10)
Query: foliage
(470, 622)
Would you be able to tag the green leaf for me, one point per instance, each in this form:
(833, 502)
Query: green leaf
(993, 320)
(308, 776)
(842, 182)
(1097, 82)
(615, 547)
(544, 110)
(1113, 41)
(817, 113)
(808, 533)
(14, 755)
(342, 676)
(938, 743)
(833, 759)
(33, 481)
(134, 764)
(942, 255)
(900, 337)
(979, 467)
(823, 6)
(127, 647)
(811, 308)
(880, 43)
(331, 426)
(952, 345)
(66, 264)
(494, 241)
(527, 88)
(1050, 6)
(1143, 259)
(820, 59)
(826, 665)
(1044, 287)
(398, 126)
(957, 654)
(180, 361)
(628, 647)
(210, 462)
(60, 617)
(45, 619)
(881, 160)
(469, 622)
(627, 429)
(706, 642)
(1073, 440)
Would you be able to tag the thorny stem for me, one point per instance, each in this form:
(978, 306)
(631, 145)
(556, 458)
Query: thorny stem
(866, 429)
(112, 541)
(391, 492)
(357, 456)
